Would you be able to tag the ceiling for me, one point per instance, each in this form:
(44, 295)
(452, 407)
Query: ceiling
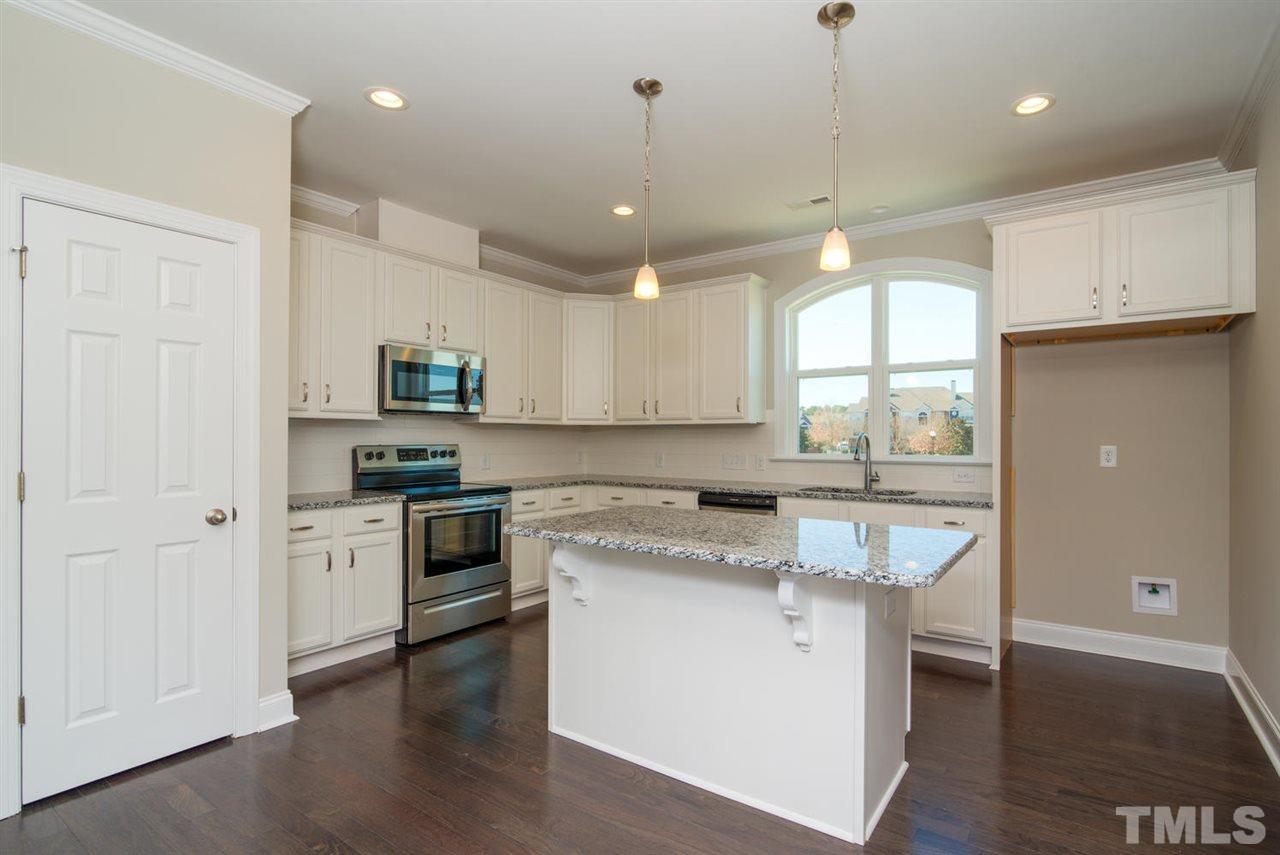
(522, 122)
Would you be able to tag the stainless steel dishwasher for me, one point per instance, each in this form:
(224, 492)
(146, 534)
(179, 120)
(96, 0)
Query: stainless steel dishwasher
(739, 503)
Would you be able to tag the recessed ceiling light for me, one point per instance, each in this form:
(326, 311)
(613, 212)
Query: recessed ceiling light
(879, 209)
(1029, 105)
(387, 99)
(622, 210)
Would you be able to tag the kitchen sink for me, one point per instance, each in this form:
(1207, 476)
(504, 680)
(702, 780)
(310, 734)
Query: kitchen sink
(856, 491)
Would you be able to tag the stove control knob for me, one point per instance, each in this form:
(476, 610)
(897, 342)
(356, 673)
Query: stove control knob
(453, 452)
(368, 455)
(380, 455)
(434, 454)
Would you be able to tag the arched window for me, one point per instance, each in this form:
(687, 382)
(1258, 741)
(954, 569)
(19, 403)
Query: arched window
(892, 349)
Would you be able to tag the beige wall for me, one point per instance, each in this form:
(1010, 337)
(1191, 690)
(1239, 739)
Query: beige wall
(1255, 415)
(1082, 530)
(77, 108)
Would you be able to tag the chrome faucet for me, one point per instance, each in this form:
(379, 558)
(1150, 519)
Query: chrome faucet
(869, 476)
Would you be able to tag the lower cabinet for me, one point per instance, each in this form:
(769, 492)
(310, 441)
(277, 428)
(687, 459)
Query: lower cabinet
(345, 576)
(955, 609)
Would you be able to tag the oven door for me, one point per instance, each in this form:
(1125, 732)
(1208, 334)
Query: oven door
(457, 545)
(429, 381)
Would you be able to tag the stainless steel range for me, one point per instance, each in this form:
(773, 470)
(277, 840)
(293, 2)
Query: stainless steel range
(457, 560)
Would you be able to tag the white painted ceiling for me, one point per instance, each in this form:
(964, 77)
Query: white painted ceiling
(522, 122)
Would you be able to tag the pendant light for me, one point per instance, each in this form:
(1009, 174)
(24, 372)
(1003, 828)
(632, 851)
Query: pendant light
(835, 247)
(646, 287)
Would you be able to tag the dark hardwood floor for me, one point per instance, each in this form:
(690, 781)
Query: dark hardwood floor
(445, 749)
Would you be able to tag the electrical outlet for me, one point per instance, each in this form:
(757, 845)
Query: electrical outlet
(733, 461)
(659, 460)
(484, 462)
(762, 461)
(962, 476)
(1107, 456)
(579, 456)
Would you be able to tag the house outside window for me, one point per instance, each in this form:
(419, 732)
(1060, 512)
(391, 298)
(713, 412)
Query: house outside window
(892, 349)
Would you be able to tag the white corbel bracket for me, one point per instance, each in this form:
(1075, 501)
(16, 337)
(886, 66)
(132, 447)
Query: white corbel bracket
(573, 569)
(797, 607)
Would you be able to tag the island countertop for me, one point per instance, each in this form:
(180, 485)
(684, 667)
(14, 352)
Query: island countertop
(901, 556)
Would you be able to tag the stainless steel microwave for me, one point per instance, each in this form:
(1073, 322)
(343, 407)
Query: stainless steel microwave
(429, 381)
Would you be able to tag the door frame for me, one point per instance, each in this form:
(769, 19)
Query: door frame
(17, 185)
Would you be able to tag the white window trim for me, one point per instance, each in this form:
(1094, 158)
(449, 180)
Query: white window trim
(876, 273)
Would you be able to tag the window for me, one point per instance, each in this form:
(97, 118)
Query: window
(891, 354)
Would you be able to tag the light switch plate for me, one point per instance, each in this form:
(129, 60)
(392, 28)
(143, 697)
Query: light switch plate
(659, 460)
(484, 462)
(1107, 456)
(762, 461)
(733, 461)
(962, 476)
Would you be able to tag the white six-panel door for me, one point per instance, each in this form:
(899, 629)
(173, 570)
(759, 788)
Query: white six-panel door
(127, 445)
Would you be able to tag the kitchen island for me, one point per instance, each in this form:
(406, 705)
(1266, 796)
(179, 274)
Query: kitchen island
(762, 658)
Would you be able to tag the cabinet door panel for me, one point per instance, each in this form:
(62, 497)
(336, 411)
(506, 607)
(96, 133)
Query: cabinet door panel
(310, 592)
(545, 346)
(631, 361)
(458, 311)
(528, 561)
(953, 608)
(814, 509)
(685, 499)
(722, 352)
(674, 358)
(505, 354)
(348, 353)
(407, 290)
(1054, 268)
(588, 360)
(301, 383)
(881, 513)
(371, 594)
(1174, 254)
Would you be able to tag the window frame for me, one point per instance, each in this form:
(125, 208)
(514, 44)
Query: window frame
(877, 276)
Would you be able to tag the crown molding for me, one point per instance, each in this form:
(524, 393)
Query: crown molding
(529, 265)
(930, 219)
(1254, 99)
(322, 201)
(121, 34)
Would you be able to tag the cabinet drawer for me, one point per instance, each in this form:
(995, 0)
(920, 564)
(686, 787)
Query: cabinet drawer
(618, 497)
(881, 513)
(364, 518)
(971, 521)
(308, 525)
(671, 499)
(564, 497)
(528, 501)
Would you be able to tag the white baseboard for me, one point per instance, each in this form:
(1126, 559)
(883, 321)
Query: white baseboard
(1144, 648)
(1255, 709)
(275, 710)
(884, 802)
(309, 662)
(954, 649)
(525, 600)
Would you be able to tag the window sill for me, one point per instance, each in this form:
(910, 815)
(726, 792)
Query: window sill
(878, 461)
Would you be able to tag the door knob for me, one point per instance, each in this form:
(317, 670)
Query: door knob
(217, 516)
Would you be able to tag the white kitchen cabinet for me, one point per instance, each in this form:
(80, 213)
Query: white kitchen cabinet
(685, 499)
(348, 350)
(458, 310)
(1184, 250)
(588, 360)
(882, 513)
(372, 601)
(545, 348)
(408, 296)
(1173, 253)
(505, 325)
(632, 368)
(673, 358)
(301, 365)
(528, 555)
(730, 375)
(344, 576)
(814, 509)
(1055, 269)
(617, 497)
(309, 568)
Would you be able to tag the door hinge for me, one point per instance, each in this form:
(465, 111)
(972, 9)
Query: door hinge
(22, 710)
(234, 513)
(22, 486)
(22, 262)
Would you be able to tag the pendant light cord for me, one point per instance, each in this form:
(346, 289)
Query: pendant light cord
(835, 128)
(648, 132)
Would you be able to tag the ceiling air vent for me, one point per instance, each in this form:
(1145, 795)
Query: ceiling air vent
(813, 202)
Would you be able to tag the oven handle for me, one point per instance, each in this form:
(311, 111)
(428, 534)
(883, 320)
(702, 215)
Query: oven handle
(463, 506)
(466, 383)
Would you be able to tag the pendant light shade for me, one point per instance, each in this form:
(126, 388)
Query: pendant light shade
(646, 287)
(646, 283)
(835, 247)
(835, 251)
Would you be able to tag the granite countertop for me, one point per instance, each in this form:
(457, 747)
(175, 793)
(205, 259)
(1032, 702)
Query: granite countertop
(341, 499)
(943, 498)
(901, 556)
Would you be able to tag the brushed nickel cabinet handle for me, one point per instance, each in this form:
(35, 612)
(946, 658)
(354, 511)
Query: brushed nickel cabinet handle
(351, 561)
(521, 410)
(444, 332)
(566, 498)
(328, 561)
(376, 520)
(301, 527)
(952, 522)
(530, 502)
(306, 392)
(616, 498)
(1124, 295)
(1095, 298)
(668, 502)
(656, 411)
(327, 395)
(606, 408)
(533, 406)
(428, 330)
(739, 404)
(644, 408)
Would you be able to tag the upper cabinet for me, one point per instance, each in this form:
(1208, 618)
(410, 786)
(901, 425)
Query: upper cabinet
(428, 306)
(348, 349)
(302, 368)
(545, 347)
(730, 364)
(458, 311)
(673, 356)
(588, 360)
(505, 320)
(632, 365)
(1161, 253)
